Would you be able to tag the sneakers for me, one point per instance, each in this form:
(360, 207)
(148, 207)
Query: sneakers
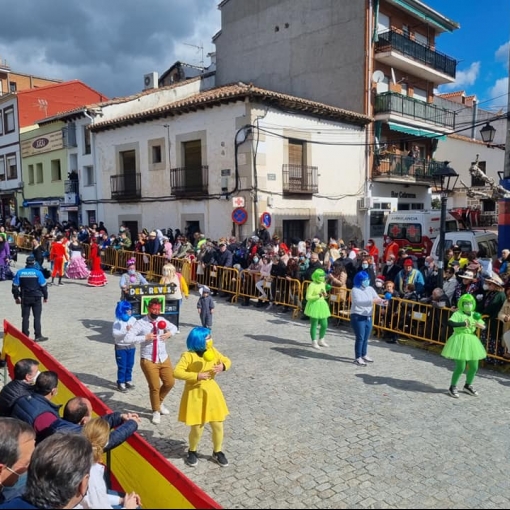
(219, 458)
(178, 331)
(368, 359)
(192, 459)
(360, 362)
(470, 390)
(121, 387)
(323, 343)
(130, 386)
(40, 339)
(315, 345)
(156, 418)
(453, 392)
(163, 410)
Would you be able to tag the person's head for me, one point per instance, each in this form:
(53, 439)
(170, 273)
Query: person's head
(197, 340)
(17, 443)
(154, 308)
(47, 384)
(410, 288)
(205, 291)
(222, 246)
(78, 410)
(408, 265)
(379, 281)
(35, 242)
(314, 257)
(123, 311)
(429, 262)
(390, 260)
(466, 303)
(131, 266)
(97, 431)
(467, 277)
(26, 370)
(365, 263)
(449, 272)
(168, 271)
(493, 283)
(456, 251)
(361, 280)
(30, 261)
(59, 471)
(319, 276)
(437, 294)
(389, 286)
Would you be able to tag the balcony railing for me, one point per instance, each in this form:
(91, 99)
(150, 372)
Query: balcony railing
(391, 102)
(406, 167)
(300, 179)
(126, 186)
(403, 44)
(71, 186)
(190, 181)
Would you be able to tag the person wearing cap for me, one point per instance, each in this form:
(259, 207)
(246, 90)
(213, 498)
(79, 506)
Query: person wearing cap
(457, 255)
(409, 275)
(153, 245)
(469, 284)
(28, 288)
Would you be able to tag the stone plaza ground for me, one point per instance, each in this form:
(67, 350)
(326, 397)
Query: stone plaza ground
(307, 428)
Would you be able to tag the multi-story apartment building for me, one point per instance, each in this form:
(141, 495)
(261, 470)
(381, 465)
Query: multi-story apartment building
(12, 81)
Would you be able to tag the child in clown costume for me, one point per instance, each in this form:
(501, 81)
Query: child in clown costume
(464, 346)
(202, 400)
(317, 308)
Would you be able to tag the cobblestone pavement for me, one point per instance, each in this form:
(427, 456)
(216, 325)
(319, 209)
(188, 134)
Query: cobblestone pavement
(307, 428)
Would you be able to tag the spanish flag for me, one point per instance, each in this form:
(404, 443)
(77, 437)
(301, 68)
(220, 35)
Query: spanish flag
(135, 465)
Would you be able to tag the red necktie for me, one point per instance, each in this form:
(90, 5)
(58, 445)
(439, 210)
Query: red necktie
(155, 343)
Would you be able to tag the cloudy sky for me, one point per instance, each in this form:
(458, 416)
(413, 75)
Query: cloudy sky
(108, 44)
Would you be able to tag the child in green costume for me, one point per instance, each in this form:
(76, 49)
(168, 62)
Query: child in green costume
(317, 308)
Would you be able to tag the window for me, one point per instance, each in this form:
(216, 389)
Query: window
(422, 39)
(12, 86)
(296, 152)
(1, 122)
(38, 173)
(156, 154)
(405, 231)
(30, 174)
(383, 23)
(2, 168)
(55, 170)
(91, 217)
(9, 120)
(476, 182)
(420, 94)
(88, 173)
(86, 142)
(12, 168)
(69, 135)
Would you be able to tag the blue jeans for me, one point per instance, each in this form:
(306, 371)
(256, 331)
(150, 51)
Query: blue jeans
(362, 327)
(125, 359)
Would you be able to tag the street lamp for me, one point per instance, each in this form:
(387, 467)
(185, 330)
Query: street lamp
(487, 133)
(445, 180)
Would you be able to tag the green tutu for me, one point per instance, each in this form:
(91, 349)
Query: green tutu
(317, 309)
(464, 346)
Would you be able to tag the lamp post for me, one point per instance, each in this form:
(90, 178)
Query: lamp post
(487, 133)
(445, 180)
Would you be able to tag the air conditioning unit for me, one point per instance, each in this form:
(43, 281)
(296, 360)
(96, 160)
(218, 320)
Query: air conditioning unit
(365, 203)
(150, 81)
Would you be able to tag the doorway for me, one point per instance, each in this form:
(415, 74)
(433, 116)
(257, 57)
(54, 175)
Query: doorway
(293, 230)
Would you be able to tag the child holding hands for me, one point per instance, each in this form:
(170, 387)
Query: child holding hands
(202, 400)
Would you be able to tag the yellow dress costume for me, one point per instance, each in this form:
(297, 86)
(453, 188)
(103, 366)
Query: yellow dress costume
(201, 401)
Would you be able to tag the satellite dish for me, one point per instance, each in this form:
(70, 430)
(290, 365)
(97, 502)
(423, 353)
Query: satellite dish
(378, 76)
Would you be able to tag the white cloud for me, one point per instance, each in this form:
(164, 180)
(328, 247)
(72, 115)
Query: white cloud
(465, 78)
(502, 53)
(499, 95)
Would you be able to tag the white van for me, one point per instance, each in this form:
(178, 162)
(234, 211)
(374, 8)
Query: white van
(468, 240)
(417, 230)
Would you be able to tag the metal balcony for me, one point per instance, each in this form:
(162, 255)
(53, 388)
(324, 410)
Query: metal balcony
(399, 168)
(71, 186)
(391, 103)
(126, 186)
(400, 51)
(189, 181)
(300, 179)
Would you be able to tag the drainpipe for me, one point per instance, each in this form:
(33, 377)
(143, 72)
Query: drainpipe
(475, 116)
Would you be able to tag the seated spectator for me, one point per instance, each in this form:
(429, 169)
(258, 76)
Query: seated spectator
(97, 431)
(78, 411)
(25, 375)
(58, 475)
(37, 409)
(17, 443)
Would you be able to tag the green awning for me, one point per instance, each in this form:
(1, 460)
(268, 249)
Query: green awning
(408, 130)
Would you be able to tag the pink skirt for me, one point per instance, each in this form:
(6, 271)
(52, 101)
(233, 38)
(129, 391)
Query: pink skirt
(77, 269)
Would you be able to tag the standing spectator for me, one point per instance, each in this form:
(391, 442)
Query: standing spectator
(469, 284)
(222, 258)
(450, 283)
(28, 288)
(5, 257)
(363, 299)
(263, 234)
(155, 362)
(17, 443)
(125, 241)
(153, 246)
(353, 250)
(373, 252)
(202, 400)
(409, 275)
(59, 256)
(205, 307)
(331, 255)
(458, 256)
(430, 275)
(38, 253)
(167, 248)
(265, 279)
(391, 248)
(26, 372)
(368, 268)
(124, 352)
(278, 271)
(390, 269)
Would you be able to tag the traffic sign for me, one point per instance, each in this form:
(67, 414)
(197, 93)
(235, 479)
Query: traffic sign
(265, 219)
(239, 216)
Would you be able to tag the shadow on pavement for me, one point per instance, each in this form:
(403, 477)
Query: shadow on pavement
(102, 330)
(400, 384)
(301, 353)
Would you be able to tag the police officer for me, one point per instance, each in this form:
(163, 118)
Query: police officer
(28, 287)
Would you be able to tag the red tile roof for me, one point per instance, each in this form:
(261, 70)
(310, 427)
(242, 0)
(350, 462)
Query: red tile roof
(458, 93)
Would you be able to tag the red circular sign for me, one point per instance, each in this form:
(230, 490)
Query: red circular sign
(239, 215)
(265, 219)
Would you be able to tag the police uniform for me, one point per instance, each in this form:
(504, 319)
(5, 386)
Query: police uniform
(29, 286)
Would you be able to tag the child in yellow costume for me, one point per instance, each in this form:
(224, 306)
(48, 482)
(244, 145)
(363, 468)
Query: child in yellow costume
(202, 400)
(317, 308)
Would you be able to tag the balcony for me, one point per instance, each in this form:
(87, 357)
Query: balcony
(71, 186)
(302, 180)
(126, 186)
(389, 104)
(190, 181)
(400, 51)
(404, 169)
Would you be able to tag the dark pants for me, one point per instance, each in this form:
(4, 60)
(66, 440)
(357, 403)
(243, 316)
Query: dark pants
(125, 359)
(33, 304)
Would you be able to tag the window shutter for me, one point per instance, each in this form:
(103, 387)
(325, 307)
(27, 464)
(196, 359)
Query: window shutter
(295, 153)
